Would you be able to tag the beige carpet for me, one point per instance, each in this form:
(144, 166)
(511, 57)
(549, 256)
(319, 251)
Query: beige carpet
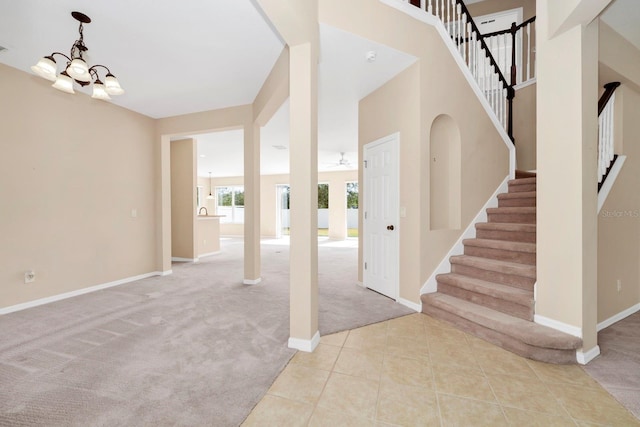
(191, 349)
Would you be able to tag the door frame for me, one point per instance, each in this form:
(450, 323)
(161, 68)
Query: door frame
(394, 141)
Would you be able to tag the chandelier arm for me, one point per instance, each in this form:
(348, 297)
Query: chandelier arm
(60, 53)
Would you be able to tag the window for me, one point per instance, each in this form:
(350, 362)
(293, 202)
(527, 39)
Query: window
(230, 204)
(199, 199)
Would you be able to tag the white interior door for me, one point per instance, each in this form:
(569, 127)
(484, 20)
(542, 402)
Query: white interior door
(381, 200)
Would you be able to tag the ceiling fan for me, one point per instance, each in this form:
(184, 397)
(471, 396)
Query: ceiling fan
(345, 163)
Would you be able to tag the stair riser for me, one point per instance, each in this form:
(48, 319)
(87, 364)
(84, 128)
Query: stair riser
(525, 202)
(517, 188)
(512, 236)
(501, 254)
(494, 276)
(507, 307)
(548, 355)
(517, 218)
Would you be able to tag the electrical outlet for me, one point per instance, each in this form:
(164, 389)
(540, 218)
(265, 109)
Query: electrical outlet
(29, 276)
(619, 283)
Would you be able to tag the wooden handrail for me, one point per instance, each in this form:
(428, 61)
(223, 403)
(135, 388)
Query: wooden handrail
(609, 88)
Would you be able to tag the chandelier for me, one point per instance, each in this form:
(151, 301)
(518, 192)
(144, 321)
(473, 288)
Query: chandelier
(77, 70)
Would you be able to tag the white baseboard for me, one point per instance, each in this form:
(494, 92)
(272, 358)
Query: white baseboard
(431, 285)
(558, 326)
(209, 254)
(252, 281)
(166, 272)
(412, 305)
(305, 345)
(611, 179)
(54, 298)
(178, 259)
(584, 357)
(618, 317)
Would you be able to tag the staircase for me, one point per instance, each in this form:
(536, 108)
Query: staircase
(489, 291)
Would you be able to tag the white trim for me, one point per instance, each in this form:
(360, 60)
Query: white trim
(618, 317)
(252, 281)
(431, 285)
(178, 259)
(412, 305)
(429, 19)
(522, 85)
(305, 345)
(584, 357)
(558, 326)
(59, 297)
(166, 272)
(611, 179)
(361, 284)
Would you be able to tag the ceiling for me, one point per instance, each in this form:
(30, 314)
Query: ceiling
(175, 58)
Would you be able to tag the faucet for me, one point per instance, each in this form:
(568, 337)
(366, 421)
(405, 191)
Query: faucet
(205, 211)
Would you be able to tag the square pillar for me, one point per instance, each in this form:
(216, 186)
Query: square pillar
(303, 166)
(252, 204)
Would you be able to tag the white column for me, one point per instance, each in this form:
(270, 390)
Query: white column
(251, 204)
(303, 166)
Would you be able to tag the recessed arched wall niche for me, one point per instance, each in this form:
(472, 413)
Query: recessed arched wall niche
(445, 174)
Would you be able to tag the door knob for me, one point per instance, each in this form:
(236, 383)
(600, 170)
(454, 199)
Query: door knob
(390, 227)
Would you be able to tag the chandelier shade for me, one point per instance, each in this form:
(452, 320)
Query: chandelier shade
(45, 68)
(99, 91)
(64, 83)
(77, 70)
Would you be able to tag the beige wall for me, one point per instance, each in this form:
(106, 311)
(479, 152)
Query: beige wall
(619, 219)
(620, 58)
(492, 6)
(269, 204)
(72, 170)
(183, 199)
(524, 127)
(408, 104)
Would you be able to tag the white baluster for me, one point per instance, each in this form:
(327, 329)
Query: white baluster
(472, 53)
(430, 7)
(528, 56)
(449, 23)
(463, 30)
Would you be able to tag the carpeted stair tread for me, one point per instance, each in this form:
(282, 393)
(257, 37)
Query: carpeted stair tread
(506, 226)
(512, 210)
(501, 244)
(523, 181)
(495, 290)
(527, 332)
(524, 174)
(518, 195)
(522, 185)
(498, 266)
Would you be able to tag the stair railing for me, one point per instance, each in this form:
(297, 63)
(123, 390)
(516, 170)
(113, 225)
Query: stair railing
(519, 53)
(476, 54)
(606, 154)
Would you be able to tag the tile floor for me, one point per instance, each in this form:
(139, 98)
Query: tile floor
(418, 371)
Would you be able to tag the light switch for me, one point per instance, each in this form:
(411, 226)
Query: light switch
(403, 212)
(134, 213)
